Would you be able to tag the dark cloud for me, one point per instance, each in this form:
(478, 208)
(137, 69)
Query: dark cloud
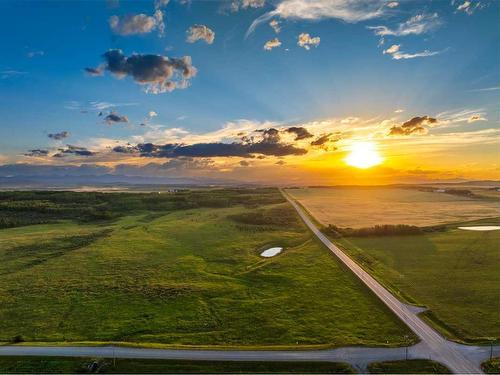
(73, 150)
(36, 153)
(244, 163)
(115, 118)
(417, 125)
(321, 140)
(281, 162)
(158, 73)
(58, 136)
(300, 132)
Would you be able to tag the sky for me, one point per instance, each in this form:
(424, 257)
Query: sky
(260, 91)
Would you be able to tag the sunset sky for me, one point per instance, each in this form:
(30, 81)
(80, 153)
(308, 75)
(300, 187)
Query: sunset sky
(285, 91)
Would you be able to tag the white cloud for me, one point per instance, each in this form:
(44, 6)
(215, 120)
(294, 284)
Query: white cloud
(4, 74)
(469, 8)
(463, 115)
(236, 5)
(399, 111)
(487, 89)
(200, 32)
(152, 114)
(306, 41)
(416, 25)
(392, 49)
(405, 56)
(397, 54)
(275, 25)
(132, 24)
(346, 10)
(32, 54)
(273, 43)
(392, 4)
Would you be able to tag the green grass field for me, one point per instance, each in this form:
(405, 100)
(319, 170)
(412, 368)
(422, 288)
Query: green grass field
(179, 270)
(65, 365)
(454, 273)
(492, 366)
(414, 366)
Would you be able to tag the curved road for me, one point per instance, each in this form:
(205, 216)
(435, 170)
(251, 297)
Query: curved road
(462, 359)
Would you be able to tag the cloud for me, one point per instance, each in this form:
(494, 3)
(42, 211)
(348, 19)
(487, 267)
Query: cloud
(73, 150)
(416, 25)
(392, 4)
(306, 41)
(275, 26)
(37, 153)
(416, 125)
(244, 163)
(486, 89)
(397, 54)
(399, 110)
(463, 115)
(5, 74)
(300, 132)
(469, 8)
(152, 114)
(94, 71)
(132, 24)
(351, 11)
(236, 5)
(321, 140)
(475, 118)
(58, 136)
(273, 43)
(115, 118)
(392, 49)
(200, 32)
(32, 54)
(260, 142)
(157, 73)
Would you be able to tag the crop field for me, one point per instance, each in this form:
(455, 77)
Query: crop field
(454, 273)
(178, 270)
(359, 207)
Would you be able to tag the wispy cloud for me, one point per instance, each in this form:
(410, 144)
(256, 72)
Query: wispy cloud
(5, 74)
(346, 10)
(416, 25)
(397, 54)
(486, 89)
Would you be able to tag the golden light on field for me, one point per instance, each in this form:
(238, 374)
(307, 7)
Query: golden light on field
(363, 155)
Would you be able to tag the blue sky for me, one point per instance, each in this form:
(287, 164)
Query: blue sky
(47, 44)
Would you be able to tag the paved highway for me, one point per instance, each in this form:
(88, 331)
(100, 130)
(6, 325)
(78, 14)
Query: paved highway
(438, 347)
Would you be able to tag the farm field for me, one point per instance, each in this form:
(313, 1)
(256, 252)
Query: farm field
(454, 273)
(359, 207)
(178, 270)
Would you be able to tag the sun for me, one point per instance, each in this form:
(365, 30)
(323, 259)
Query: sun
(363, 155)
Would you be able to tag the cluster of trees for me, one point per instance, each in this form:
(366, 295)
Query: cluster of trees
(39, 207)
(377, 230)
